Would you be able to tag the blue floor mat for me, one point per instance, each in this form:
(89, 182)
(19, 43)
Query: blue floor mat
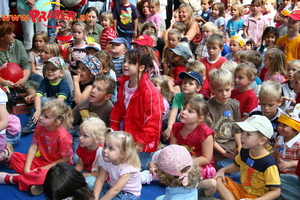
(149, 192)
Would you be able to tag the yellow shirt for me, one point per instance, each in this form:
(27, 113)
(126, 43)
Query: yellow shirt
(290, 48)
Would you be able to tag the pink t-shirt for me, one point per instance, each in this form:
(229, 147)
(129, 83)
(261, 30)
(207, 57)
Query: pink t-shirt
(256, 27)
(128, 93)
(133, 185)
(276, 77)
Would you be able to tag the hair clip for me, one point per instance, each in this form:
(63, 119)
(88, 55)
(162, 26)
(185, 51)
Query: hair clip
(123, 137)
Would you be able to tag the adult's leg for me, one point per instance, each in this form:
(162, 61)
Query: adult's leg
(28, 30)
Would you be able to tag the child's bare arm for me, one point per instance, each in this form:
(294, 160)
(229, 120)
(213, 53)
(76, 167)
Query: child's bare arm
(171, 121)
(115, 27)
(222, 151)
(274, 193)
(238, 139)
(207, 151)
(229, 169)
(33, 69)
(79, 166)
(69, 54)
(38, 108)
(64, 159)
(173, 139)
(99, 182)
(246, 31)
(30, 156)
(135, 25)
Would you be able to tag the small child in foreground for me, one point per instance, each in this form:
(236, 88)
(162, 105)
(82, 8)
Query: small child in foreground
(259, 171)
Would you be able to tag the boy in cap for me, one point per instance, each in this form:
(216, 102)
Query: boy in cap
(290, 43)
(54, 86)
(87, 68)
(175, 169)
(118, 48)
(191, 85)
(259, 171)
(92, 48)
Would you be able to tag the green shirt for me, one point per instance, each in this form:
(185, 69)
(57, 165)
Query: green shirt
(96, 33)
(16, 54)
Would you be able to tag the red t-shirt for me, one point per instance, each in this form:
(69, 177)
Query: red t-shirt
(248, 100)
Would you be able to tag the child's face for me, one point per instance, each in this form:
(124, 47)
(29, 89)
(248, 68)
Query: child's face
(84, 73)
(248, 47)
(297, 3)
(39, 42)
(112, 152)
(130, 69)
(124, 1)
(53, 73)
(269, 106)
(78, 33)
(241, 80)
(267, 62)
(189, 86)
(286, 131)
(290, 70)
(214, 51)
(250, 139)
(48, 120)
(284, 20)
(268, 7)
(236, 59)
(117, 49)
(176, 17)
(256, 9)
(235, 12)
(45, 54)
(64, 26)
(92, 18)
(205, 5)
(222, 92)
(175, 58)
(86, 140)
(189, 116)
(98, 95)
(270, 39)
(234, 46)
(173, 41)
(157, 85)
(90, 51)
(215, 11)
(105, 23)
(150, 29)
(293, 26)
(206, 33)
(247, 9)
(153, 9)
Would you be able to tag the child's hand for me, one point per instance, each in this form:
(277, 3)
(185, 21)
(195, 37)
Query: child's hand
(70, 49)
(36, 116)
(284, 165)
(166, 134)
(29, 99)
(229, 155)
(139, 147)
(76, 78)
(220, 174)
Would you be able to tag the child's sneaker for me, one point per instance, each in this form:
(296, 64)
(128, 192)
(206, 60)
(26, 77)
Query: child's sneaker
(146, 177)
(8, 151)
(36, 190)
(2, 176)
(29, 127)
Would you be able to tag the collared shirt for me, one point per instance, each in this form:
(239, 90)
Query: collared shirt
(96, 32)
(256, 27)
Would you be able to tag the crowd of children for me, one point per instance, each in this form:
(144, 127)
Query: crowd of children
(219, 88)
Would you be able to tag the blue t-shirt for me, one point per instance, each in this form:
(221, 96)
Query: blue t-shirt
(205, 15)
(125, 16)
(181, 193)
(61, 88)
(234, 27)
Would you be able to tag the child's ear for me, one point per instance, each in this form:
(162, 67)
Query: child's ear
(279, 102)
(198, 88)
(263, 140)
(62, 73)
(105, 70)
(142, 68)
(108, 97)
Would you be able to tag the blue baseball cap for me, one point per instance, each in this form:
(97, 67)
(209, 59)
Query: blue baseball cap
(92, 63)
(193, 75)
(183, 51)
(120, 40)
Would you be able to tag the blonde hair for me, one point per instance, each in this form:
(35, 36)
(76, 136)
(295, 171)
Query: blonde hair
(163, 82)
(277, 60)
(201, 108)
(272, 2)
(216, 39)
(175, 181)
(180, 26)
(297, 76)
(210, 27)
(221, 77)
(156, 3)
(196, 66)
(95, 127)
(271, 90)
(175, 32)
(239, 6)
(294, 62)
(190, 14)
(127, 144)
(229, 65)
(109, 16)
(53, 49)
(249, 68)
(61, 111)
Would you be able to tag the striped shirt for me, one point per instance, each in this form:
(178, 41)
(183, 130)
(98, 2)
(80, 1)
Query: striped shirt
(107, 35)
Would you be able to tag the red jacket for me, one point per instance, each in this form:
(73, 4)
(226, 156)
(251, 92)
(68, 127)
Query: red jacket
(142, 119)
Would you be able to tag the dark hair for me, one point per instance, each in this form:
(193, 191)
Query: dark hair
(109, 80)
(90, 9)
(268, 30)
(6, 28)
(139, 7)
(64, 181)
(140, 57)
(10, 104)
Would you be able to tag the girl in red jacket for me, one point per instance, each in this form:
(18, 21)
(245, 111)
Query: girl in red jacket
(139, 105)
